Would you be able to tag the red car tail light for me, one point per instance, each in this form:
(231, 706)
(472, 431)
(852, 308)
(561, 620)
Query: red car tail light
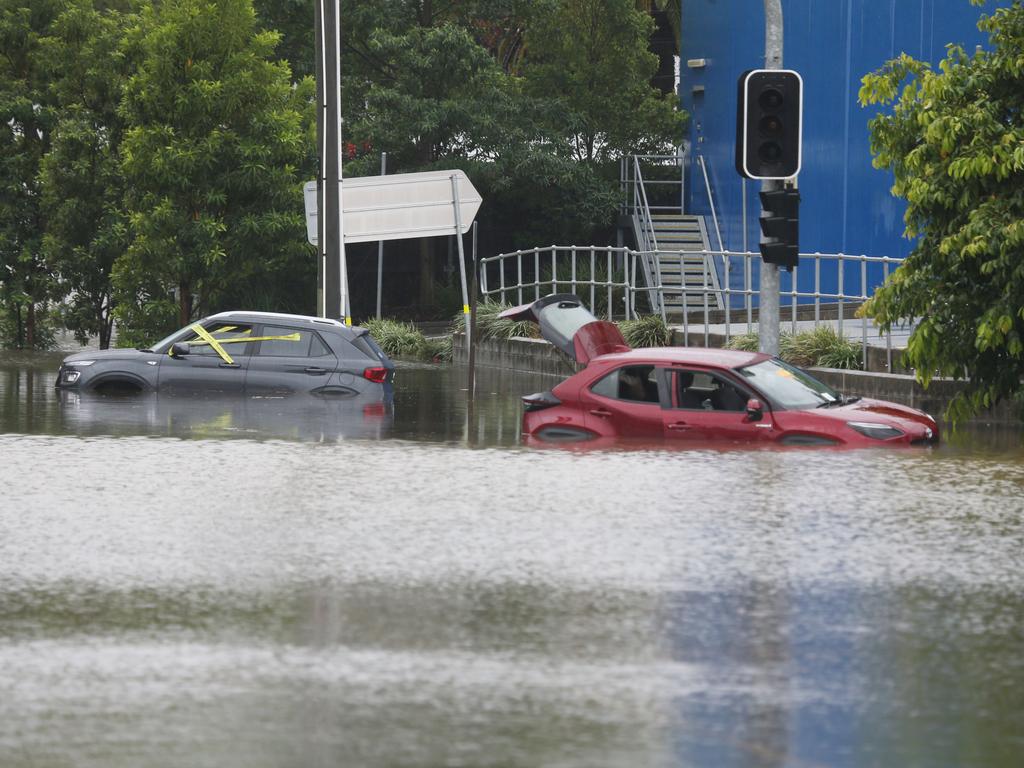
(539, 401)
(376, 375)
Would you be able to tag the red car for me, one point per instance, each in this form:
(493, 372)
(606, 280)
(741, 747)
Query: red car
(696, 394)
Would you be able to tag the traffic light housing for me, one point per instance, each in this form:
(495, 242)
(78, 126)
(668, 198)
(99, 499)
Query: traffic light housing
(780, 222)
(769, 117)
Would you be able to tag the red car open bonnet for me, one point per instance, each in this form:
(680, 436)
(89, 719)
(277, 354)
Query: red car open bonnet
(570, 326)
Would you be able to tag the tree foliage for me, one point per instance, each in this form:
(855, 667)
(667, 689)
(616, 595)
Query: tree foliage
(214, 135)
(152, 153)
(590, 56)
(27, 116)
(954, 141)
(82, 185)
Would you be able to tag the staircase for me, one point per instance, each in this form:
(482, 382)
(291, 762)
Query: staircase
(680, 261)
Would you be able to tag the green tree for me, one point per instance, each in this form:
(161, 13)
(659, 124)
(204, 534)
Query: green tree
(82, 185)
(591, 57)
(453, 84)
(27, 116)
(215, 133)
(954, 141)
(293, 20)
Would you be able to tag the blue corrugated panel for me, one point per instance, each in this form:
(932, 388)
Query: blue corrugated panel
(846, 205)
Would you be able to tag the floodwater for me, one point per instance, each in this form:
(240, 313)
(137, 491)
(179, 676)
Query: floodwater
(267, 583)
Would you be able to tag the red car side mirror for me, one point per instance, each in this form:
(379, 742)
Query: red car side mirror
(755, 411)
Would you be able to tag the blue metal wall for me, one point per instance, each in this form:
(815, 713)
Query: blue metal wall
(846, 206)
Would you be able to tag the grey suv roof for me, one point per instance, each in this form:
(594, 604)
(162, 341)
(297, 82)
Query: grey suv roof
(307, 320)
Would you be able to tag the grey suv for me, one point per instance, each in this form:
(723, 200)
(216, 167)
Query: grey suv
(256, 353)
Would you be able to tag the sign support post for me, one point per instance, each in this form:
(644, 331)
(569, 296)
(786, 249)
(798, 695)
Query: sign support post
(380, 243)
(462, 258)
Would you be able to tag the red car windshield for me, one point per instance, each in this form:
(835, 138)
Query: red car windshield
(787, 386)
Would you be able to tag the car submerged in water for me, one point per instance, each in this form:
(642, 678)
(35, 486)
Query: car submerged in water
(251, 353)
(695, 394)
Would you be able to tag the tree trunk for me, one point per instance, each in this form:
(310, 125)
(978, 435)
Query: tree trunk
(184, 303)
(426, 272)
(30, 326)
(19, 329)
(106, 329)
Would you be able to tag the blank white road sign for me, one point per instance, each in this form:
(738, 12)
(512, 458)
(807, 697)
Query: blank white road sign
(403, 205)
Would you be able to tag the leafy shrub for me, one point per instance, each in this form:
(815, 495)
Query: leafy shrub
(396, 338)
(746, 342)
(491, 326)
(822, 347)
(646, 331)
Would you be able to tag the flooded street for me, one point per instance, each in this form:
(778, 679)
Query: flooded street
(257, 583)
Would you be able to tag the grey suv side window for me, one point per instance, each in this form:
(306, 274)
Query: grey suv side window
(233, 338)
(278, 341)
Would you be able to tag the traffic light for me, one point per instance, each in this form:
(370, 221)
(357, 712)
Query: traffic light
(769, 114)
(780, 222)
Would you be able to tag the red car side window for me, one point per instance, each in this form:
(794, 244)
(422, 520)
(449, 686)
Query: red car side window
(635, 383)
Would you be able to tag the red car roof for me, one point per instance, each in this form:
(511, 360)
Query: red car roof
(717, 358)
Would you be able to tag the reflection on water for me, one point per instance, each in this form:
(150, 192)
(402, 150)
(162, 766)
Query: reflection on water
(279, 583)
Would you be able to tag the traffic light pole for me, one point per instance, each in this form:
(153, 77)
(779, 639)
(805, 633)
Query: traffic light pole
(768, 309)
(333, 268)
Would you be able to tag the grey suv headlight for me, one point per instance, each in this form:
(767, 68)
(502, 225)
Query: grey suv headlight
(80, 363)
(875, 431)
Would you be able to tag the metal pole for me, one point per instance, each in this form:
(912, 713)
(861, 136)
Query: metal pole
(330, 164)
(346, 310)
(471, 386)
(380, 243)
(768, 312)
(321, 133)
(462, 259)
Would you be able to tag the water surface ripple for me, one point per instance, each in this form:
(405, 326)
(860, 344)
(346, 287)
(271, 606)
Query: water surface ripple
(275, 586)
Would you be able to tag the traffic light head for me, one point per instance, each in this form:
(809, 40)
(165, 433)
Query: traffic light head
(769, 114)
(780, 224)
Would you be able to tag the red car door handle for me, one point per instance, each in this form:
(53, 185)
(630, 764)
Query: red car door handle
(600, 412)
(679, 425)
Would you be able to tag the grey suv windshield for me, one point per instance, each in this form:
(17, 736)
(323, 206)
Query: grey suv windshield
(787, 386)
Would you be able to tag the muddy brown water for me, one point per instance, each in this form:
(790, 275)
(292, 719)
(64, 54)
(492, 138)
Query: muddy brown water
(268, 583)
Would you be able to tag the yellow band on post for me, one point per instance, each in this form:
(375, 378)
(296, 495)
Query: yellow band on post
(465, 309)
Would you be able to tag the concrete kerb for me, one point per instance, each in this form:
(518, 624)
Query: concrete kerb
(539, 357)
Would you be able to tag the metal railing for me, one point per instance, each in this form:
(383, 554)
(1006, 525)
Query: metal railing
(606, 279)
(663, 186)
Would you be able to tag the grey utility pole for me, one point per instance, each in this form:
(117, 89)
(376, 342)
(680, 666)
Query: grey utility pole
(768, 312)
(330, 223)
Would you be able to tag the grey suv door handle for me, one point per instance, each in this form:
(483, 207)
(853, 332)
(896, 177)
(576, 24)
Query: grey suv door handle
(600, 412)
(230, 365)
(679, 426)
(314, 371)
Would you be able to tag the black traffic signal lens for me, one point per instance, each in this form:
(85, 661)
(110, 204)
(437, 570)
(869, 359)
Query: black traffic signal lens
(770, 99)
(769, 152)
(770, 125)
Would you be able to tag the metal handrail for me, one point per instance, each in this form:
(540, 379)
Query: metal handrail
(620, 286)
(650, 239)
